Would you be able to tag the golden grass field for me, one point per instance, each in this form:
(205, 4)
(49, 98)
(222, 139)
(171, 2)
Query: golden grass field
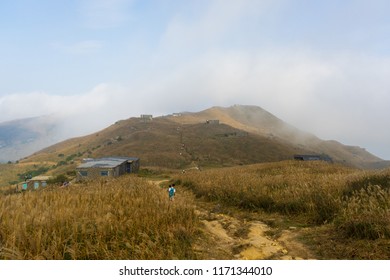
(344, 213)
(127, 218)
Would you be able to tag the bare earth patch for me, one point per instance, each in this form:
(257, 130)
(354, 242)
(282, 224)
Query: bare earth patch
(227, 237)
(232, 238)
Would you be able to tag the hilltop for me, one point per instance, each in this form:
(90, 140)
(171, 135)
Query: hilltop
(258, 121)
(165, 143)
(244, 135)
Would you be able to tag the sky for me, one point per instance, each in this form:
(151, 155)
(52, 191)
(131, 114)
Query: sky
(321, 66)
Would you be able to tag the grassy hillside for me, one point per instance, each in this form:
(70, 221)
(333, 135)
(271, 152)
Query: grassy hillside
(256, 120)
(128, 218)
(160, 142)
(245, 135)
(339, 212)
(165, 143)
(344, 213)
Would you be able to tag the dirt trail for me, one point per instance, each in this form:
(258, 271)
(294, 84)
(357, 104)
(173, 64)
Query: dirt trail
(232, 238)
(228, 237)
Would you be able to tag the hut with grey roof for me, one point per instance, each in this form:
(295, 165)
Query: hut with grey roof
(106, 167)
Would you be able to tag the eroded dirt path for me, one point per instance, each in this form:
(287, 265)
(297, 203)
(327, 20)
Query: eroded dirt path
(229, 237)
(226, 236)
(232, 238)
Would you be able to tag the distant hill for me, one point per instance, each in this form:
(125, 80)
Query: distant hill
(20, 138)
(244, 135)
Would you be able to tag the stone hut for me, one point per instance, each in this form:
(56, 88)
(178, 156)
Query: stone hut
(106, 167)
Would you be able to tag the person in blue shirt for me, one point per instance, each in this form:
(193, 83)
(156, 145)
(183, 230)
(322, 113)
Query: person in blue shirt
(171, 192)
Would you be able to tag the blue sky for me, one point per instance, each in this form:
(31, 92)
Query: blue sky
(322, 66)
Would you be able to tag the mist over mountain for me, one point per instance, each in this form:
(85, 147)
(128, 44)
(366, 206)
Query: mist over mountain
(22, 137)
(240, 135)
(256, 120)
(19, 138)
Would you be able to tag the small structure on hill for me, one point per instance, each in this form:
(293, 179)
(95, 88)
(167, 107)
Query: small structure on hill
(313, 157)
(146, 118)
(106, 167)
(212, 121)
(34, 183)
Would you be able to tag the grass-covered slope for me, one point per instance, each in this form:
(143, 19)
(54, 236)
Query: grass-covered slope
(345, 212)
(127, 218)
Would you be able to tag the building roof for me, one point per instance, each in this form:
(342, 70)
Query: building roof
(108, 162)
(41, 178)
(313, 157)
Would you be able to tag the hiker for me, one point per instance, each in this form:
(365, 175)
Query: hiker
(171, 192)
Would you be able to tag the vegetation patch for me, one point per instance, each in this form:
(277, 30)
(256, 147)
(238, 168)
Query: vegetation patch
(311, 190)
(364, 180)
(127, 218)
(366, 214)
(353, 205)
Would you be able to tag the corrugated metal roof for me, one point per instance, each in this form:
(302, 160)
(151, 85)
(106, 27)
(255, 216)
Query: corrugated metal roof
(109, 162)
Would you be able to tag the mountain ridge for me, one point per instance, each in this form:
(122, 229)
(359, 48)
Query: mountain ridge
(256, 120)
(245, 134)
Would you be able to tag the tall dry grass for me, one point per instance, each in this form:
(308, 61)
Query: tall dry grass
(290, 188)
(127, 218)
(365, 213)
(356, 203)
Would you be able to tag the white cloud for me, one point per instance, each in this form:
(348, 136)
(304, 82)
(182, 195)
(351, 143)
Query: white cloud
(81, 114)
(341, 96)
(335, 96)
(194, 63)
